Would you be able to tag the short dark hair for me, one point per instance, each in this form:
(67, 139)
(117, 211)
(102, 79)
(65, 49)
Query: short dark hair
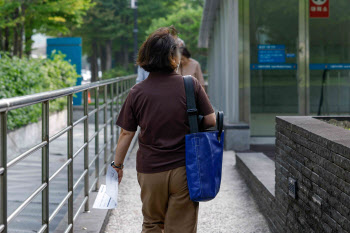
(185, 52)
(159, 53)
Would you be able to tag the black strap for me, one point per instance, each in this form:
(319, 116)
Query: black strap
(220, 123)
(191, 104)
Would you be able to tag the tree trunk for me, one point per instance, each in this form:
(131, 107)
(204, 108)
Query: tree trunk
(15, 41)
(103, 57)
(117, 56)
(20, 29)
(20, 40)
(125, 56)
(93, 62)
(28, 33)
(7, 40)
(108, 55)
(16, 34)
(1, 41)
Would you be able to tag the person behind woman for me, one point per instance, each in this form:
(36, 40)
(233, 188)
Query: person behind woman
(141, 74)
(189, 66)
(158, 106)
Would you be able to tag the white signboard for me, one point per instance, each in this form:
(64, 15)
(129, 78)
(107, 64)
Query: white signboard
(133, 4)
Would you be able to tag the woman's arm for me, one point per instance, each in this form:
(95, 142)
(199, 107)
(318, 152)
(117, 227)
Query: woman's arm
(124, 141)
(209, 120)
(199, 75)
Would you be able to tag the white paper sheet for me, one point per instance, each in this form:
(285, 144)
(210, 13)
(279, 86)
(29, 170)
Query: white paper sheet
(108, 194)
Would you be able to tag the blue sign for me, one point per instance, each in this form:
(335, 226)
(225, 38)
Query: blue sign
(291, 66)
(329, 66)
(290, 55)
(271, 54)
(71, 47)
(271, 46)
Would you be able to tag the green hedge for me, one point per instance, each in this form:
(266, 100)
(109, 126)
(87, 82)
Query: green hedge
(19, 77)
(119, 71)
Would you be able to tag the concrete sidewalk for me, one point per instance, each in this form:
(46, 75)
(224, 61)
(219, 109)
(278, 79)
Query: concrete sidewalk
(232, 211)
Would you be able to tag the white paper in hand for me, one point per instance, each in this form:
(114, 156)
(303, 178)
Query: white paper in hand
(108, 194)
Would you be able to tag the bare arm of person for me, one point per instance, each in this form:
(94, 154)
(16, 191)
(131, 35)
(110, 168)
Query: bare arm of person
(124, 141)
(209, 120)
(199, 75)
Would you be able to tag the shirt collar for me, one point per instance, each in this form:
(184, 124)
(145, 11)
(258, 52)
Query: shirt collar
(162, 74)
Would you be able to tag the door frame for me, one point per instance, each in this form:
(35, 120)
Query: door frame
(303, 72)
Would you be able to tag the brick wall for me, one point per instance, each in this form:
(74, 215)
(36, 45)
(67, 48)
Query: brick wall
(265, 200)
(317, 155)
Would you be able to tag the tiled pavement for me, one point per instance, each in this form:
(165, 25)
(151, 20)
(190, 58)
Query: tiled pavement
(233, 210)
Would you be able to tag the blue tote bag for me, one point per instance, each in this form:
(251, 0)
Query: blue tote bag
(204, 151)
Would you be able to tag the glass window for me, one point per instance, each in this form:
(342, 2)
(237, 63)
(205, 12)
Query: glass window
(330, 61)
(273, 43)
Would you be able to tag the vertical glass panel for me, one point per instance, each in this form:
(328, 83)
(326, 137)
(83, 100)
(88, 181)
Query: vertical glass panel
(330, 61)
(273, 43)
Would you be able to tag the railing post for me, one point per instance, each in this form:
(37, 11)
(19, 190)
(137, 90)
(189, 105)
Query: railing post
(3, 174)
(45, 164)
(86, 150)
(97, 166)
(117, 111)
(124, 91)
(70, 156)
(112, 117)
(105, 135)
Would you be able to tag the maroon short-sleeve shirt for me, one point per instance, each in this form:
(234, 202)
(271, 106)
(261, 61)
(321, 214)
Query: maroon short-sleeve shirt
(158, 106)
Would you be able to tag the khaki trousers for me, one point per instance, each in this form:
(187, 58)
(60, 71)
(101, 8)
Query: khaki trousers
(166, 204)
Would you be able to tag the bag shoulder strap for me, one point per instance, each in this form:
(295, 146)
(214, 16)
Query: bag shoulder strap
(191, 104)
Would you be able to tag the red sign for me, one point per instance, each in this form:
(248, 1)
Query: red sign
(319, 8)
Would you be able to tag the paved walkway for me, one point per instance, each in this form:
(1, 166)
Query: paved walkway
(232, 211)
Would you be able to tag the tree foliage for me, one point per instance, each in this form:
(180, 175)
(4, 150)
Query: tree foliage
(108, 29)
(22, 18)
(187, 21)
(106, 26)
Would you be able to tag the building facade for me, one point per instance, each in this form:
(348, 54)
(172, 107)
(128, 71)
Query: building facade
(271, 58)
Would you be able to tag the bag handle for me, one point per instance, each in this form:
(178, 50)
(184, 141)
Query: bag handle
(220, 123)
(192, 111)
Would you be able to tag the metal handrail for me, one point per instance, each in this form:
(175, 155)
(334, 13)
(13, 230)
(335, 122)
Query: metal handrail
(112, 103)
(26, 202)
(59, 207)
(25, 154)
(22, 101)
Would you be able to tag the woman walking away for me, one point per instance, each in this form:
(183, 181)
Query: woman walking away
(158, 106)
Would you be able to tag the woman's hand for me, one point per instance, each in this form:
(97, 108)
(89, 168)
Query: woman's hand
(120, 173)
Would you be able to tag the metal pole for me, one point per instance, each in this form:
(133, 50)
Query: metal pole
(117, 111)
(135, 36)
(244, 61)
(97, 166)
(86, 150)
(70, 156)
(105, 135)
(124, 91)
(45, 164)
(3, 176)
(112, 116)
